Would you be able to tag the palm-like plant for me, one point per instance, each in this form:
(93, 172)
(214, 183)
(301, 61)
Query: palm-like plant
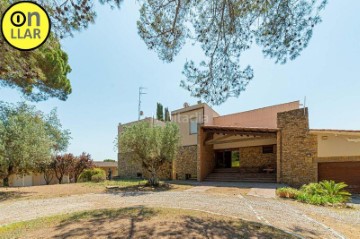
(333, 189)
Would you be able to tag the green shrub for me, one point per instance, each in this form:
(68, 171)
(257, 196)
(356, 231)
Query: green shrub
(324, 193)
(311, 188)
(98, 178)
(287, 192)
(88, 174)
(332, 189)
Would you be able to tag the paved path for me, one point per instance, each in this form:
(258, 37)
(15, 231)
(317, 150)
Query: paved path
(268, 211)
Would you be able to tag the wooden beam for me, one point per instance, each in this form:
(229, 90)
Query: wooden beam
(238, 140)
(208, 142)
(241, 133)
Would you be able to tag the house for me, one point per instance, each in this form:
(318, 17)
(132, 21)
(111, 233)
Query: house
(130, 169)
(270, 144)
(106, 166)
(32, 179)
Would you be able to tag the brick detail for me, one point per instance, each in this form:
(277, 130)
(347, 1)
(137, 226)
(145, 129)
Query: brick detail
(298, 148)
(185, 162)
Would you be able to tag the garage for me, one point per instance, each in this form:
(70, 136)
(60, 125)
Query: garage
(348, 172)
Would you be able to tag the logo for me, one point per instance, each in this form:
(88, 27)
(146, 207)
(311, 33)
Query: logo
(25, 25)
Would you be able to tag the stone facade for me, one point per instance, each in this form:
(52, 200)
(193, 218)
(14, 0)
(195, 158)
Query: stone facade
(185, 163)
(129, 168)
(298, 148)
(254, 157)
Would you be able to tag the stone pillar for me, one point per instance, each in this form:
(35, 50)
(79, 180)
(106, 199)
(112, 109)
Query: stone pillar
(298, 149)
(278, 157)
(206, 161)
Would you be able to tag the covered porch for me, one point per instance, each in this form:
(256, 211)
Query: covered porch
(236, 154)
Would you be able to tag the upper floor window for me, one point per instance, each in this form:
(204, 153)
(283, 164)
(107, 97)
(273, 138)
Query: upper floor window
(193, 126)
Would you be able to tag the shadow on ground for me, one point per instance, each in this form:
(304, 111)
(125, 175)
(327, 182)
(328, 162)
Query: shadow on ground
(355, 199)
(138, 190)
(6, 195)
(142, 222)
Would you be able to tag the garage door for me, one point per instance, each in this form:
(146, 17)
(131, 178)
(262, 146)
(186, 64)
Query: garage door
(348, 172)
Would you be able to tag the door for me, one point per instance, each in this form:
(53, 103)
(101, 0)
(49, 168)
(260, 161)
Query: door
(227, 159)
(348, 172)
(223, 159)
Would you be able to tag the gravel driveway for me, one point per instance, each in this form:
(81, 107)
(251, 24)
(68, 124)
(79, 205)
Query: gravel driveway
(291, 217)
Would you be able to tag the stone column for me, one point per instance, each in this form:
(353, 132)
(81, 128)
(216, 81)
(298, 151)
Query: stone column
(298, 149)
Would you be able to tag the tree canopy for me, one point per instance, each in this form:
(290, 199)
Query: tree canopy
(26, 140)
(43, 73)
(225, 29)
(151, 145)
(26, 143)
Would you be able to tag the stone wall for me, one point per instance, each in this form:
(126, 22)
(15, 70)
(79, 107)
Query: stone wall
(129, 168)
(298, 148)
(186, 162)
(164, 173)
(254, 157)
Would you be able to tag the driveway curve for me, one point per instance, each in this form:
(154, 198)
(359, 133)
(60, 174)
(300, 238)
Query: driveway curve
(274, 212)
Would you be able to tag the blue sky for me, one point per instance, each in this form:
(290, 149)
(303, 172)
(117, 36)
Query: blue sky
(110, 62)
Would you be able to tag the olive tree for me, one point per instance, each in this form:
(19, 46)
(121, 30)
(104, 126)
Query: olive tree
(150, 145)
(24, 140)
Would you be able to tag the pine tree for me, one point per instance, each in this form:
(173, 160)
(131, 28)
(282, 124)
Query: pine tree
(167, 115)
(159, 112)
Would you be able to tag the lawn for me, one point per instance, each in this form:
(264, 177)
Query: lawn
(62, 190)
(140, 222)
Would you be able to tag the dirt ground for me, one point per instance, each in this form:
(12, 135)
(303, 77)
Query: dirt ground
(142, 222)
(344, 220)
(63, 190)
(229, 191)
(19, 205)
(37, 192)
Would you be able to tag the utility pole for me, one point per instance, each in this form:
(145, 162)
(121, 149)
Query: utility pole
(141, 92)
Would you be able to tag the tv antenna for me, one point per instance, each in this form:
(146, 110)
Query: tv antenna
(141, 92)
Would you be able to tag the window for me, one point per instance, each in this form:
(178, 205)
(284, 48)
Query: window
(193, 126)
(268, 149)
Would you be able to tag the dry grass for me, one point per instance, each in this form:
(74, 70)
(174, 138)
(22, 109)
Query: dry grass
(140, 222)
(63, 190)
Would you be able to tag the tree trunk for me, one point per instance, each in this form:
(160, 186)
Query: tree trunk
(153, 180)
(47, 177)
(9, 173)
(60, 179)
(6, 182)
(76, 178)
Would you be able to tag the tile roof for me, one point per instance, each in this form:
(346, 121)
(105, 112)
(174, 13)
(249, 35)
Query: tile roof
(106, 164)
